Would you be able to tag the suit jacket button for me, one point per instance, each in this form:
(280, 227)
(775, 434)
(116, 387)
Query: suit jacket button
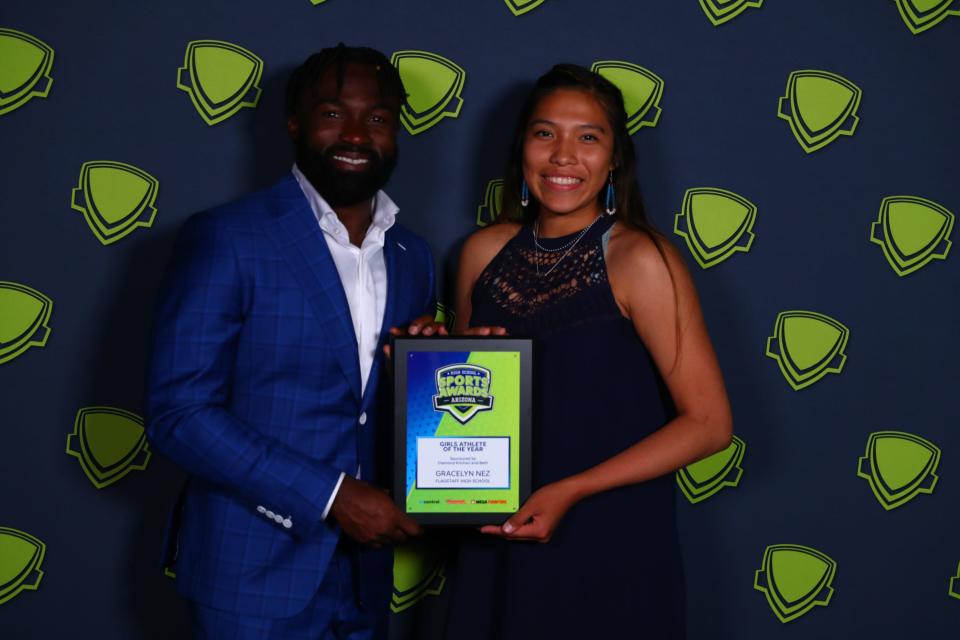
(287, 523)
(278, 518)
(363, 418)
(268, 513)
(261, 509)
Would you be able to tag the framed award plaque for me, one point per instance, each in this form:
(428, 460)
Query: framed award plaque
(462, 428)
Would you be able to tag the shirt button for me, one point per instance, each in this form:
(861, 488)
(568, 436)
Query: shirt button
(287, 523)
(261, 509)
(363, 418)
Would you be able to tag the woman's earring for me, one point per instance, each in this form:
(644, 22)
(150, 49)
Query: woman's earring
(524, 194)
(611, 204)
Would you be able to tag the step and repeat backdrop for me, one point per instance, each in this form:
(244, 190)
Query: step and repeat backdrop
(803, 155)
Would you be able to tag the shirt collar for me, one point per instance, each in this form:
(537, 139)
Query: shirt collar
(384, 213)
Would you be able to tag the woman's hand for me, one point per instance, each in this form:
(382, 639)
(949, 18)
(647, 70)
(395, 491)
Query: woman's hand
(539, 516)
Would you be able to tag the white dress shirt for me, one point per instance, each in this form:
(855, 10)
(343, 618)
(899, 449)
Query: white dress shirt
(363, 274)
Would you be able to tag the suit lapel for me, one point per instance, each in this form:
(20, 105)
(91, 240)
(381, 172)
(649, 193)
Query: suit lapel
(301, 243)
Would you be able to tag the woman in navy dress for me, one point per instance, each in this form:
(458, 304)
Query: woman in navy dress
(627, 387)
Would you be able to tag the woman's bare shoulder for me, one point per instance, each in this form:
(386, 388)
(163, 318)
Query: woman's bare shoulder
(483, 244)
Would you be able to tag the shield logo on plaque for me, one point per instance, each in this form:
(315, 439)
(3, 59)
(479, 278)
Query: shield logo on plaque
(795, 579)
(820, 107)
(912, 232)
(715, 224)
(704, 478)
(720, 11)
(418, 572)
(21, 555)
(220, 77)
(641, 89)
(807, 346)
(489, 211)
(109, 443)
(520, 7)
(920, 15)
(463, 391)
(24, 70)
(115, 198)
(899, 466)
(433, 85)
(24, 317)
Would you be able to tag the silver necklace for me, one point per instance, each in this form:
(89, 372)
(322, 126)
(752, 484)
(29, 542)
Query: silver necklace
(569, 246)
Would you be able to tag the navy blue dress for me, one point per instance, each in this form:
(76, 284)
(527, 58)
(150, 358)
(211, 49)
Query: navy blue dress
(613, 567)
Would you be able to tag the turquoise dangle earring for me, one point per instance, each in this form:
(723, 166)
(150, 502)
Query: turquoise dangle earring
(611, 203)
(524, 194)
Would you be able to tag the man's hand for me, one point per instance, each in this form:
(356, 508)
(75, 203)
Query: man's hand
(368, 515)
(425, 325)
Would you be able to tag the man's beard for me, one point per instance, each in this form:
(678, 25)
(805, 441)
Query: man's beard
(344, 188)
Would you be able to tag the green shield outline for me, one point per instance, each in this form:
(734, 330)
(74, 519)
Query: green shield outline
(107, 233)
(685, 226)
(429, 583)
(248, 95)
(32, 336)
(887, 496)
(813, 140)
(648, 115)
(728, 476)
(936, 249)
(920, 21)
(765, 581)
(31, 571)
(78, 446)
(719, 15)
(29, 89)
(445, 314)
(417, 122)
(954, 590)
(489, 211)
(518, 10)
(832, 362)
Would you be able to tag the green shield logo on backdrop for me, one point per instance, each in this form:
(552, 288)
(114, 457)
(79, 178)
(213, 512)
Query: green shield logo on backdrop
(220, 77)
(920, 15)
(899, 466)
(489, 211)
(912, 232)
(109, 443)
(715, 224)
(704, 478)
(418, 572)
(433, 85)
(445, 315)
(795, 579)
(520, 7)
(807, 346)
(820, 106)
(720, 11)
(954, 591)
(24, 314)
(20, 558)
(115, 198)
(641, 89)
(25, 64)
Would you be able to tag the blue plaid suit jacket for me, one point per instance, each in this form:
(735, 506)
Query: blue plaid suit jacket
(254, 389)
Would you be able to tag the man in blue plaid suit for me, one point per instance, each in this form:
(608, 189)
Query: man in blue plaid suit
(265, 373)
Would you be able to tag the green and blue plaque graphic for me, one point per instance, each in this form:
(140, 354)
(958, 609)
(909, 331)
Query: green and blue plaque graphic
(912, 232)
(489, 211)
(109, 443)
(704, 478)
(807, 345)
(419, 570)
(641, 89)
(220, 77)
(920, 15)
(820, 106)
(21, 555)
(24, 319)
(25, 64)
(520, 7)
(720, 11)
(795, 579)
(433, 85)
(715, 223)
(899, 466)
(115, 199)
(463, 416)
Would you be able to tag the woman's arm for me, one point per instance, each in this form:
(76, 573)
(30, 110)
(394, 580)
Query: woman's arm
(666, 314)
